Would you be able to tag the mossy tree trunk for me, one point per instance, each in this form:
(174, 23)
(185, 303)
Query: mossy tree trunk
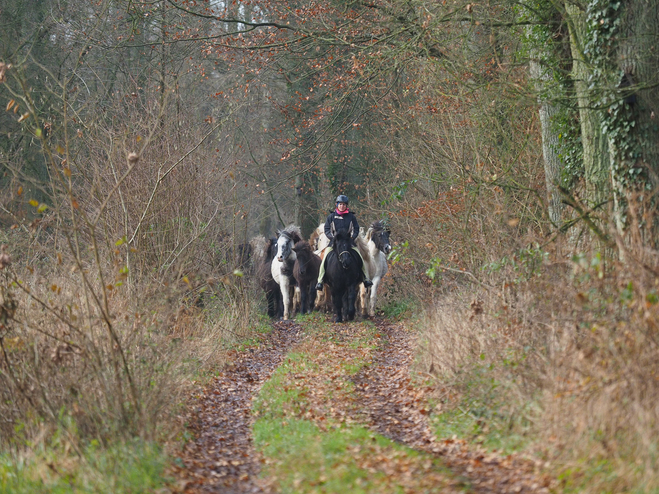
(550, 143)
(597, 168)
(633, 117)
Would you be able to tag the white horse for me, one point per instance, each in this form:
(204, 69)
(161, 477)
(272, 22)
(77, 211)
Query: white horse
(282, 265)
(319, 242)
(374, 247)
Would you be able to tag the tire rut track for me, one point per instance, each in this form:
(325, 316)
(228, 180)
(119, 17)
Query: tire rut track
(222, 457)
(389, 405)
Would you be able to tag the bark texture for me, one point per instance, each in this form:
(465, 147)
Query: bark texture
(550, 145)
(597, 169)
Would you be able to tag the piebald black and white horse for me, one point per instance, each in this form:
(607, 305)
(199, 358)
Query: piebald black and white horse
(283, 263)
(374, 248)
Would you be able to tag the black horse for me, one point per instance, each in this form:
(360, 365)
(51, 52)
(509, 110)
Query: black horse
(343, 272)
(267, 283)
(305, 272)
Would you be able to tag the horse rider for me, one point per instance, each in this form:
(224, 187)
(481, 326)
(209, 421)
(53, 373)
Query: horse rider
(341, 218)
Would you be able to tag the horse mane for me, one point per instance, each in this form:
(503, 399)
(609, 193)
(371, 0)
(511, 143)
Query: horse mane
(302, 246)
(376, 227)
(362, 245)
(342, 234)
(293, 232)
(263, 251)
(271, 251)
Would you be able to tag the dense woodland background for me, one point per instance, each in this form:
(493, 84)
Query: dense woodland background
(512, 147)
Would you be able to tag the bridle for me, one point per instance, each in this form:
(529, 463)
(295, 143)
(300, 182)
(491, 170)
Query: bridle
(343, 265)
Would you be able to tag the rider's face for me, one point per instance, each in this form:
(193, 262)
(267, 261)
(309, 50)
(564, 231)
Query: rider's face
(341, 206)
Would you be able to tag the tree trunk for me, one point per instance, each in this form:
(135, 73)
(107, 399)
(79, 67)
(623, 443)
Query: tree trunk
(634, 146)
(550, 145)
(597, 170)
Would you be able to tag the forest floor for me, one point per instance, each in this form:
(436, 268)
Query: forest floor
(323, 407)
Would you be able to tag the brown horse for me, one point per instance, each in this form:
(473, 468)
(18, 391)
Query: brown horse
(305, 271)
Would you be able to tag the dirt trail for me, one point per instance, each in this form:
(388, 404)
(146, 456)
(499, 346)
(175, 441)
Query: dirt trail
(391, 406)
(222, 457)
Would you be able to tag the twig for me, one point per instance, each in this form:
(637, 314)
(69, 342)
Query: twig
(585, 214)
(164, 175)
(453, 270)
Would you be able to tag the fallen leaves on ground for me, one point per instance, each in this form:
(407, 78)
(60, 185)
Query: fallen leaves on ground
(394, 406)
(222, 457)
(344, 375)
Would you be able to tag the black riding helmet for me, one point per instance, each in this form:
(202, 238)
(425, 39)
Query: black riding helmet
(342, 198)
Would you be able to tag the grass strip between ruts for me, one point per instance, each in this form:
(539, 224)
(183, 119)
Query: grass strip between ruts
(308, 428)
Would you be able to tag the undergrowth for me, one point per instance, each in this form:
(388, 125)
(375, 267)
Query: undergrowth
(53, 468)
(558, 363)
(91, 389)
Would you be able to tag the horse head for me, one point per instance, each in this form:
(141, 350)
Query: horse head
(303, 251)
(287, 238)
(342, 244)
(379, 234)
(284, 246)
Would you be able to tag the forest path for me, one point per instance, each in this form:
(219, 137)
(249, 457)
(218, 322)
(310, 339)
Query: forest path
(222, 457)
(314, 381)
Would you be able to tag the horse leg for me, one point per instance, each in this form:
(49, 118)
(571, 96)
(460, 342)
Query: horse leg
(286, 296)
(271, 298)
(337, 299)
(352, 296)
(293, 297)
(373, 297)
(311, 290)
(327, 299)
(363, 299)
(304, 294)
(279, 304)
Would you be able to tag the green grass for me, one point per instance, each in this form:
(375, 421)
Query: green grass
(399, 309)
(485, 413)
(307, 449)
(135, 467)
(310, 460)
(493, 432)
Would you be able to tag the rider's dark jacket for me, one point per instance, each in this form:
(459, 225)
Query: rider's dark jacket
(341, 222)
